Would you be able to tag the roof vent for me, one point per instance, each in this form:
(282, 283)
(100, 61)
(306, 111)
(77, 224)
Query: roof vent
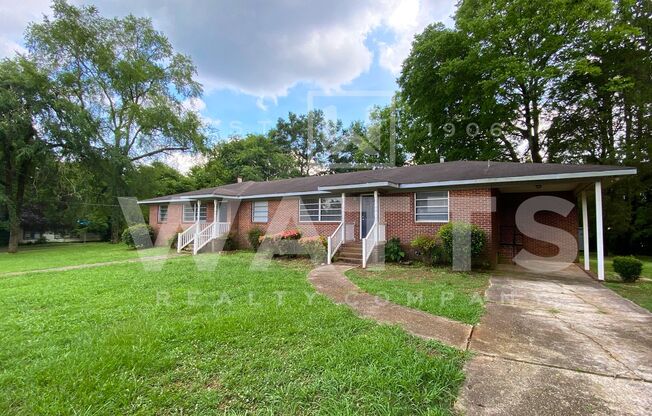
(239, 179)
(442, 159)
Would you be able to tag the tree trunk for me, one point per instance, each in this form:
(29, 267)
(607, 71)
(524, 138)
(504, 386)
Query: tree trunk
(14, 230)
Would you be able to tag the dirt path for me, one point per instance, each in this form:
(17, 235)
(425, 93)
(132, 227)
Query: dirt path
(90, 265)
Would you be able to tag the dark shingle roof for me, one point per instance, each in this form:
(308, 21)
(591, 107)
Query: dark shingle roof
(467, 172)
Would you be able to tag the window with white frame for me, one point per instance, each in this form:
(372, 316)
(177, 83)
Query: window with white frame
(162, 213)
(259, 211)
(431, 206)
(190, 213)
(327, 209)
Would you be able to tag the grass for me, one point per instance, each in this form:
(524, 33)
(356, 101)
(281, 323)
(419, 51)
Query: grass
(45, 256)
(609, 268)
(457, 296)
(123, 340)
(639, 292)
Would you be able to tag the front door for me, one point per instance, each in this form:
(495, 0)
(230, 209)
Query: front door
(367, 214)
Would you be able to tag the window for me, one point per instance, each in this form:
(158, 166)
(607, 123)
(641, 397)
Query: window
(162, 213)
(190, 213)
(431, 206)
(259, 211)
(320, 209)
(222, 212)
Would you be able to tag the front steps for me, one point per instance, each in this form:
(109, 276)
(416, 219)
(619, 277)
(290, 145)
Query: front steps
(351, 253)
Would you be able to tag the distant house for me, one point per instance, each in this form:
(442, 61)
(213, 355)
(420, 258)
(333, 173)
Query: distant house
(30, 236)
(359, 210)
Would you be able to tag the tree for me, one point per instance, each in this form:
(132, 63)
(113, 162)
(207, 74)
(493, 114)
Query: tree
(369, 146)
(491, 78)
(307, 137)
(131, 83)
(448, 102)
(158, 179)
(253, 157)
(34, 120)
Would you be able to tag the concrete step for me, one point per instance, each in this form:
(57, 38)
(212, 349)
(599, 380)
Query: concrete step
(352, 260)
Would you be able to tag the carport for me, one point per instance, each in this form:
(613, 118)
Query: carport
(541, 216)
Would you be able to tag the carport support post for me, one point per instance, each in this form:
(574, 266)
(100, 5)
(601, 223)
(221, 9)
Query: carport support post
(598, 228)
(585, 231)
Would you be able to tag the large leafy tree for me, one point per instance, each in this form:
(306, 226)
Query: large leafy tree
(253, 157)
(484, 88)
(34, 120)
(370, 145)
(307, 137)
(130, 82)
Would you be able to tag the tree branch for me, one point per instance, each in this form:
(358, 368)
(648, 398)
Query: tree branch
(155, 152)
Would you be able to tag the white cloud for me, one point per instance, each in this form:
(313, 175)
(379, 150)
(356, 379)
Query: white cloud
(407, 21)
(265, 48)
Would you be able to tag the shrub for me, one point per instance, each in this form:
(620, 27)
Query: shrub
(393, 251)
(629, 268)
(428, 247)
(254, 236)
(138, 236)
(230, 243)
(447, 235)
(315, 247)
(174, 240)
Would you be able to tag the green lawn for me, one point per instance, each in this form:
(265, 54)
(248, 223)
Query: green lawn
(639, 292)
(609, 268)
(45, 256)
(435, 290)
(122, 340)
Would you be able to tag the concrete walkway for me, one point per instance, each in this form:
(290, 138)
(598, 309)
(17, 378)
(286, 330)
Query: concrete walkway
(553, 344)
(558, 344)
(330, 281)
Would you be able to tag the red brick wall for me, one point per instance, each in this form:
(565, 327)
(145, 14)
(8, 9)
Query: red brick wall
(468, 205)
(165, 231)
(283, 215)
(509, 203)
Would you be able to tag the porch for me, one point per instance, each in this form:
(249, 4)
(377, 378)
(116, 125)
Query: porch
(202, 232)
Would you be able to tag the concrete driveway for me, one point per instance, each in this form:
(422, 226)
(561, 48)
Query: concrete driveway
(558, 344)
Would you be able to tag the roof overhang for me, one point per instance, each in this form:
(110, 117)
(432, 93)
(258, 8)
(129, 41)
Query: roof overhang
(499, 181)
(515, 179)
(360, 186)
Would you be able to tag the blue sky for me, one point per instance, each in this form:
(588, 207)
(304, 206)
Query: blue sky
(258, 60)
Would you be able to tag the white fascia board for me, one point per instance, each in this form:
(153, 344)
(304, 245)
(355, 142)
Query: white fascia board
(531, 178)
(281, 195)
(359, 186)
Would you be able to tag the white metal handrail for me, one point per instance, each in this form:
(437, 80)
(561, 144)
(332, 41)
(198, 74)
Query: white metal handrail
(205, 234)
(221, 229)
(369, 243)
(335, 241)
(186, 237)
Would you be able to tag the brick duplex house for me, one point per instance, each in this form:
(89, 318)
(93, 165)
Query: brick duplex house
(363, 209)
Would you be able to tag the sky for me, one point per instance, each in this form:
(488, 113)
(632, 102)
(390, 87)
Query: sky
(259, 60)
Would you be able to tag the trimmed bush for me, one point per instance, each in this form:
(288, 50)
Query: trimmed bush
(447, 235)
(315, 247)
(139, 236)
(629, 268)
(393, 251)
(428, 247)
(254, 236)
